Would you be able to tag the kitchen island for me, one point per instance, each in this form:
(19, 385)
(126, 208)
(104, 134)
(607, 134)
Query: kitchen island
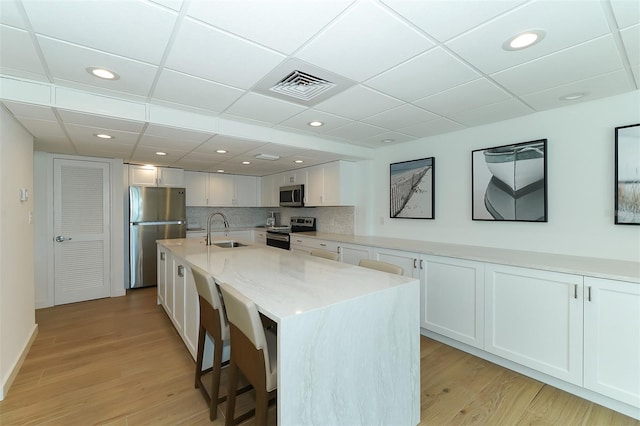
(348, 337)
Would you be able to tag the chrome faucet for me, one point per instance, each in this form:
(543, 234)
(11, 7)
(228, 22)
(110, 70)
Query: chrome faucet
(224, 219)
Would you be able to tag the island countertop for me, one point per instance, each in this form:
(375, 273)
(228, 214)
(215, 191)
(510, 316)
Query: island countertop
(280, 282)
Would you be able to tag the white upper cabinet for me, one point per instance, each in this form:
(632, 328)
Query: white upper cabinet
(156, 176)
(220, 190)
(270, 190)
(295, 177)
(330, 184)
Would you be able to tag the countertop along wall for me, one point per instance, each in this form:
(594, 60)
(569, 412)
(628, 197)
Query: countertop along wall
(580, 176)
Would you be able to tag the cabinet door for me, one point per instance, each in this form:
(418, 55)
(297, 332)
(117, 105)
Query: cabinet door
(179, 281)
(612, 339)
(142, 176)
(196, 185)
(352, 254)
(295, 177)
(170, 177)
(245, 191)
(534, 318)
(170, 277)
(260, 237)
(453, 299)
(314, 189)
(162, 275)
(191, 313)
(407, 260)
(221, 189)
(331, 194)
(270, 190)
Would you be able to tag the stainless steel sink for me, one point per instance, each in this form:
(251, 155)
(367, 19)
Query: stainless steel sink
(228, 244)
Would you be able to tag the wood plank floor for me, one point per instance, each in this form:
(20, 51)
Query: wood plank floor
(120, 362)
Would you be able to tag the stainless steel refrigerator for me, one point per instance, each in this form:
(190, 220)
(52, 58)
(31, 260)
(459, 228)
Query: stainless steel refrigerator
(154, 214)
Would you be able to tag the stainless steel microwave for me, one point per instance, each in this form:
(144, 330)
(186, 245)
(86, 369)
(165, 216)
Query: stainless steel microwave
(292, 196)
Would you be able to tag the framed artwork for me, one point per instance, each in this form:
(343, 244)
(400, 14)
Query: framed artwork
(411, 192)
(627, 185)
(509, 183)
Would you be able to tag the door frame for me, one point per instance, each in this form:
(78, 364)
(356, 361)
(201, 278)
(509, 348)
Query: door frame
(44, 229)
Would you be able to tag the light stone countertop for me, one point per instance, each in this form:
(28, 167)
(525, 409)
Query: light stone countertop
(588, 266)
(280, 282)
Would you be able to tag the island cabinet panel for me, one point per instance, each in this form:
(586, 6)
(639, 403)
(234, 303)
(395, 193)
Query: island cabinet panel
(179, 285)
(534, 318)
(191, 313)
(169, 293)
(162, 275)
(612, 339)
(352, 253)
(453, 299)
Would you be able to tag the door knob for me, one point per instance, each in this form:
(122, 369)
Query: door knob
(60, 239)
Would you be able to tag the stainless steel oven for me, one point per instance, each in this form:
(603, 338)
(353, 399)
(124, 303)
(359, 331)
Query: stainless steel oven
(278, 236)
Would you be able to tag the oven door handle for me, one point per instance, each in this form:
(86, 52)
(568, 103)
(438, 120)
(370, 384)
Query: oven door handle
(278, 237)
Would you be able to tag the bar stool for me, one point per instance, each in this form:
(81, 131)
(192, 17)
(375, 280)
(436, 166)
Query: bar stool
(253, 351)
(214, 322)
(324, 254)
(381, 266)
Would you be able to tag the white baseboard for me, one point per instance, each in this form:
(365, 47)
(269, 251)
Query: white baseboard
(16, 366)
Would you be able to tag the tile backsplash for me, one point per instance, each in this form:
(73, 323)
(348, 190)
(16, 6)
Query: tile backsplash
(337, 220)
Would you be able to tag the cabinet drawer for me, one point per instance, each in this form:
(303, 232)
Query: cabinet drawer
(314, 243)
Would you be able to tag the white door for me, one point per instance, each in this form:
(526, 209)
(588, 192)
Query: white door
(81, 230)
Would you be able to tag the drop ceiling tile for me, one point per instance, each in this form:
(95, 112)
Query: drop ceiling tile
(133, 29)
(302, 120)
(392, 138)
(18, 52)
(499, 111)
(171, 4)
(147, 155)
(37, 112)
(104, 152)
(53, 144)
(208, 53)
(263, 108)
(69, 62)
(234, 146)
(194, 92)
(597, 87)
(466, 96)
(399, 117)
(573, 64)
(176, 133)
(86, 135)
(289, 24)
(443, 19)
(164, 144)
(424, 75)
(358, 102)
(364, 41)
(626, 12)
(483, 45)
(99, 122)
(45, 130)
(357, 131)
(282, 151)
(433, 127)
(631, 41)
(10, 14)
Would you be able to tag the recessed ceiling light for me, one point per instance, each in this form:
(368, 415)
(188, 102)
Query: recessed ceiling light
(298, 161)
(103, 73)
(221, 151)
(573, 96)
(387, 140)
(103, 136)
(316, 123)
(523, 40)
(220, 171)
(161, 153)
(246, 162)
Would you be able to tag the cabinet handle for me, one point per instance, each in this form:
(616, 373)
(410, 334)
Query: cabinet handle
(575, 291)
(339, 249)
(589, 293)
(180, 271)
(323, 245)
(162, 255)
(414, 263)
(421, 264)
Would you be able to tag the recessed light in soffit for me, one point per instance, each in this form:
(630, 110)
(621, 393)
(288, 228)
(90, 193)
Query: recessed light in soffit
(296, 81)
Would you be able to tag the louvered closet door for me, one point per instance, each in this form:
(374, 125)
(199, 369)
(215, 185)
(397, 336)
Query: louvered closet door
(81, 226)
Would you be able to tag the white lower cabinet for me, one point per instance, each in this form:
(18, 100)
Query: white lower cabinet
(301, 244)
(191, 313)
(612, 339)
(259, 236)
(179, 285)
(453, 298)
(352, 253)
(162, 275)
(534, 318)
(408, 261)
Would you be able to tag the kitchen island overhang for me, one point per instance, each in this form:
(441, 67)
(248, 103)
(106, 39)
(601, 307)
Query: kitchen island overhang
(348, 337)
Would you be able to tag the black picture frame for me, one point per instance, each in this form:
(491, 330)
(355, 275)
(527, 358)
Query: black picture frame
(412, 189)
(509, 182)
(627, 175)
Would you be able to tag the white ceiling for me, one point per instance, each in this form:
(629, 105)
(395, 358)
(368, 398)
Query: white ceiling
(416, 69)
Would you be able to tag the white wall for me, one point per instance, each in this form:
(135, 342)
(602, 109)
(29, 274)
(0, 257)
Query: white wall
(17, 318)
(580, 155)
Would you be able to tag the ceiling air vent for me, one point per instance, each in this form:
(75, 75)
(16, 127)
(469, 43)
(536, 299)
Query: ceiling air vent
(267, 157)
(302, 85)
